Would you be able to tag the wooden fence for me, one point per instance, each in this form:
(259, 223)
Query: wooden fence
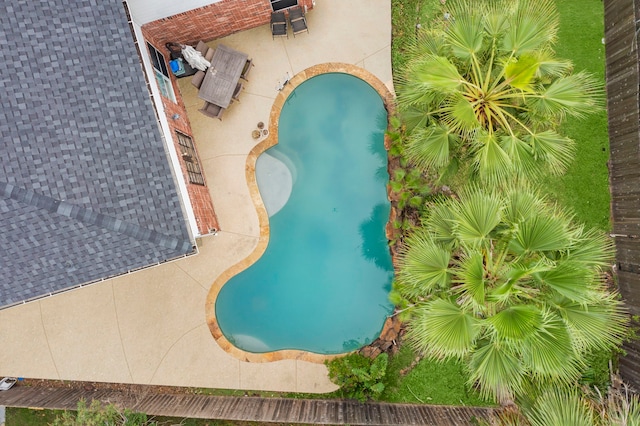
(621, 37)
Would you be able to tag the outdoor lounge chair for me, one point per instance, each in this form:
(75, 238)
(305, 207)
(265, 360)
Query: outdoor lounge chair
(197, 78)
(247, 67)
(299, 25)
(212, 110)
(278, 24)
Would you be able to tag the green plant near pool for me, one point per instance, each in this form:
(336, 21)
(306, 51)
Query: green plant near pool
(97, 414)
(359, 377)
(507, 284)
(487, 90)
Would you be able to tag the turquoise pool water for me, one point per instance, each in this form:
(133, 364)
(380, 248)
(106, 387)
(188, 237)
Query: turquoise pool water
(322, 284)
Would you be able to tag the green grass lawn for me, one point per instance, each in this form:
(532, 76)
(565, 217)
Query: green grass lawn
(29, 417)
(428, 383)
(585, 187)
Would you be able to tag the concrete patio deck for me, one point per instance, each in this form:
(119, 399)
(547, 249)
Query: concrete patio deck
(149, 327)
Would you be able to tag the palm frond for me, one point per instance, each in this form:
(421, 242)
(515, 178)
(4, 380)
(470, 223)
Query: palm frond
(519, 73)
(414, 118)
(568, 279)
(477, 214)
(436, 73)
(515, 280)
(554, 150)
(465, 36)
(521, 204)
(599, 324)
(516, 322)
(575, 95)
(520, 154)
(491, 162)
(440, 222)
(412, 94)
(560, 407)
(470, 276)
(592, 248)
(430, 147)
(495, 20)
(428, 42)
(551, 67)
(441, 329)
(497, 370)
(533, 26)
(549, 354)
(423, 267)
(458, 115)
(540, 233)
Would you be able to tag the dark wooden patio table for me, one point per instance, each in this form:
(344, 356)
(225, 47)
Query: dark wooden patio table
(222, 76)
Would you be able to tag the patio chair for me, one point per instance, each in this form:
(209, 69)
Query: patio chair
(296, 13)
(206, 51)
(299, 25)
(197, 78)
(212, 110)
(236, 92)
(202, 47)
(209, 55)
(247, 67)
(278, 24)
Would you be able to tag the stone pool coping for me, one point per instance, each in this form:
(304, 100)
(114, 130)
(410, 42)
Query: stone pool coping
(268, 142)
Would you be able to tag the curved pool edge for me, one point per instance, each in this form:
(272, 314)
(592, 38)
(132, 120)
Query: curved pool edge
(263, 218)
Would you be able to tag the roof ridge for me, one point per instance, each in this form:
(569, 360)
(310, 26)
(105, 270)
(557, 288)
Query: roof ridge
(91, 217)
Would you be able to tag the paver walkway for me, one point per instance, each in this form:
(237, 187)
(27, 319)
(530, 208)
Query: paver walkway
(264, 410)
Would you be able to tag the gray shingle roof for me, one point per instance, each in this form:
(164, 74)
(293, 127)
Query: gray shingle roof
(86, 190)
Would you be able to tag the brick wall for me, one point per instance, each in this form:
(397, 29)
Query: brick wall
(201, 202)
(199, 195)
(213, 21)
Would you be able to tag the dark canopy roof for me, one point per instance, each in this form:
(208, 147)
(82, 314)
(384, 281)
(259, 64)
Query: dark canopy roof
(86, 190)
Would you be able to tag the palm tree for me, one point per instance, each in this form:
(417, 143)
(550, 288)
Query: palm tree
(504, 282)
(570, 407)
(485, 90)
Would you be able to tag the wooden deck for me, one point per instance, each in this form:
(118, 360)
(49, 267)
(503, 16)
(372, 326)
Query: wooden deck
(263, 410)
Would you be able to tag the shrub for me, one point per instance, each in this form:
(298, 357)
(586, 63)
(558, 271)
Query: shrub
(98, 415)
(359, 377)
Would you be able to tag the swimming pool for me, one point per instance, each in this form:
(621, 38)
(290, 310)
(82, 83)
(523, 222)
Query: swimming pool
(322, 284)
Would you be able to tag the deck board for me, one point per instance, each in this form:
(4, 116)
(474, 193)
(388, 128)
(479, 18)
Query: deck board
(282, 410)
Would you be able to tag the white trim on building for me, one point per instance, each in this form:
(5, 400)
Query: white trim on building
(144, 11)
(166, 131)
